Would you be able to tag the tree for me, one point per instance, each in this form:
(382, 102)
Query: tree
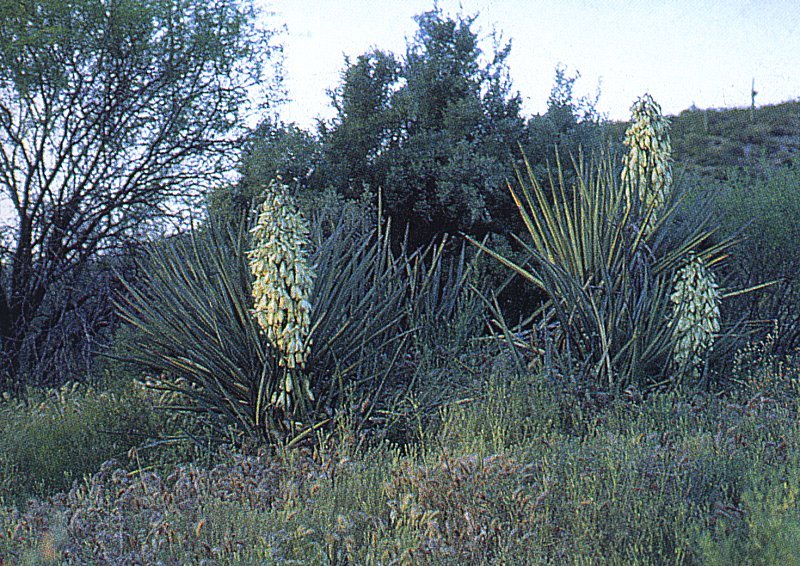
(273, 150)
(434, 130)
(571, 124)
(111, 111)
(366, 127)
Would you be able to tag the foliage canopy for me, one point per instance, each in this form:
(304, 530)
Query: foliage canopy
(110, 113)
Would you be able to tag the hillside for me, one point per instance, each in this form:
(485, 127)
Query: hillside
(707, 141)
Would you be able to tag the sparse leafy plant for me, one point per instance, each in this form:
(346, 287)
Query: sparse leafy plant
(139, 104)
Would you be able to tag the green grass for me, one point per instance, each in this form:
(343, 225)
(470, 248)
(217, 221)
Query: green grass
(49, 439)
(520, 470)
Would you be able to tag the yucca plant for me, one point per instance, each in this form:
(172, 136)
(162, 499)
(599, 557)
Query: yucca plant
(196, 335)
(376, 312)
(201, 326)
(599, 253)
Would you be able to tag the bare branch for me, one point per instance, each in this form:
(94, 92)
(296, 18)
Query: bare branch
(108, 114)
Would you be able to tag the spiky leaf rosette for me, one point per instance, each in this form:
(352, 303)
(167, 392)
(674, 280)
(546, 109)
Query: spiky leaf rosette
(647, 167)
(279, 262)
(695, 315)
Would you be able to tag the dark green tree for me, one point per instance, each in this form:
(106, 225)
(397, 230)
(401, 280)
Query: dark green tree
(434, 131)
(366, 128)
(273, 149)
(111, 112)
(571, 125)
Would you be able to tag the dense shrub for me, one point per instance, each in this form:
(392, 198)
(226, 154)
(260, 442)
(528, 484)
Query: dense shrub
(762, 205)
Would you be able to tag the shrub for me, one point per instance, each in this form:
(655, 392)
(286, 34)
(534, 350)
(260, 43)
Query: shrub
(766, 202)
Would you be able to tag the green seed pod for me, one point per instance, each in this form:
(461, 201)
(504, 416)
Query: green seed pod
(695, 315)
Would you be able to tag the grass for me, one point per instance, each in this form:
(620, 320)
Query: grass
(521, 470)
(50, 439)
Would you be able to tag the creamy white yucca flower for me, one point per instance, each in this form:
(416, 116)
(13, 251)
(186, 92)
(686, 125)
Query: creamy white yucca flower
(695, 315)
(279, 261)
(647, 167)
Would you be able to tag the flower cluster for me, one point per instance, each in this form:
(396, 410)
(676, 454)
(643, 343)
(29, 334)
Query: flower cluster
(282, 287)
(647, 168)
(695, 315)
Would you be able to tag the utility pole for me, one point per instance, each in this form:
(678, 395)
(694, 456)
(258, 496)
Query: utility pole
(753, 93)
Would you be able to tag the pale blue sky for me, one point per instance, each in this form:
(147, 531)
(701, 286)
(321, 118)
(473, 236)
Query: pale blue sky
(683, 52)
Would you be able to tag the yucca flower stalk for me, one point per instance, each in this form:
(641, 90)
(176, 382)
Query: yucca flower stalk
(647, 167)
(647, 176)
(695, 316)
(284, 276)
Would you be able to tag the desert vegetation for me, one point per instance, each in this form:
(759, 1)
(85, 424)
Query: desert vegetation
(431, 331)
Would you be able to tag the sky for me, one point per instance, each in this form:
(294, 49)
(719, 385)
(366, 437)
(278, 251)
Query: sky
(684, 52)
